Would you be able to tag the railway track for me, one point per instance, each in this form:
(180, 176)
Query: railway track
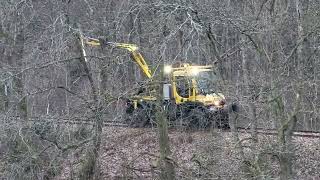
(86, 121)
(308, 134)
(71, 121)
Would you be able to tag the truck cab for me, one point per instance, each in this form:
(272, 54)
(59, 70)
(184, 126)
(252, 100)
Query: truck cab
(193, 90)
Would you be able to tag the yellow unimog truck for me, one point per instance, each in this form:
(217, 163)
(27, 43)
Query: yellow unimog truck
(189, 93)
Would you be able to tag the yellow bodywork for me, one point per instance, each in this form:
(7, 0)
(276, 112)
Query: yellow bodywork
(136, 55)
(185, 70)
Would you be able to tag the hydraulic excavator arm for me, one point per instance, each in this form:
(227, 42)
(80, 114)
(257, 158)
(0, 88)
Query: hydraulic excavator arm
(132, 48)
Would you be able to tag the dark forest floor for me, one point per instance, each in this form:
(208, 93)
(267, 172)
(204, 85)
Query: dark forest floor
(132, 154)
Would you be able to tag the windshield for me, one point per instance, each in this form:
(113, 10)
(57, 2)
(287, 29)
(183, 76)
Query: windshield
(183, 86)
(206, 82)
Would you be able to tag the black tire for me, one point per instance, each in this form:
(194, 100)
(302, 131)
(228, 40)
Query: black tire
(222, 120)
(140, 117)
(197, 118)
(137, 120)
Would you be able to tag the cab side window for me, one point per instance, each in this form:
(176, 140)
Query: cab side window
(183, 86)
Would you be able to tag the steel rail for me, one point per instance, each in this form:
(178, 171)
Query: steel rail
(308, 134)
(87, 121)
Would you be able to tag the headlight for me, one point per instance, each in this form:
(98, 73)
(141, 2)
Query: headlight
(219, 102)
(194, 71)
(167, 69)
(216, 103)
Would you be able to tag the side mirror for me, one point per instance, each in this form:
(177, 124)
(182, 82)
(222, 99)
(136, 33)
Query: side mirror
(167, 92)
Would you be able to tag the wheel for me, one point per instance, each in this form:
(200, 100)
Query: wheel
(197, 118)
(140, 117)
(137, 119)
(176, 115)
(222, 120)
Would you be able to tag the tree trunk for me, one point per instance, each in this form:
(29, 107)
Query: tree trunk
(92, 165)
(21, 102)
(285, 132)
(165, 162)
